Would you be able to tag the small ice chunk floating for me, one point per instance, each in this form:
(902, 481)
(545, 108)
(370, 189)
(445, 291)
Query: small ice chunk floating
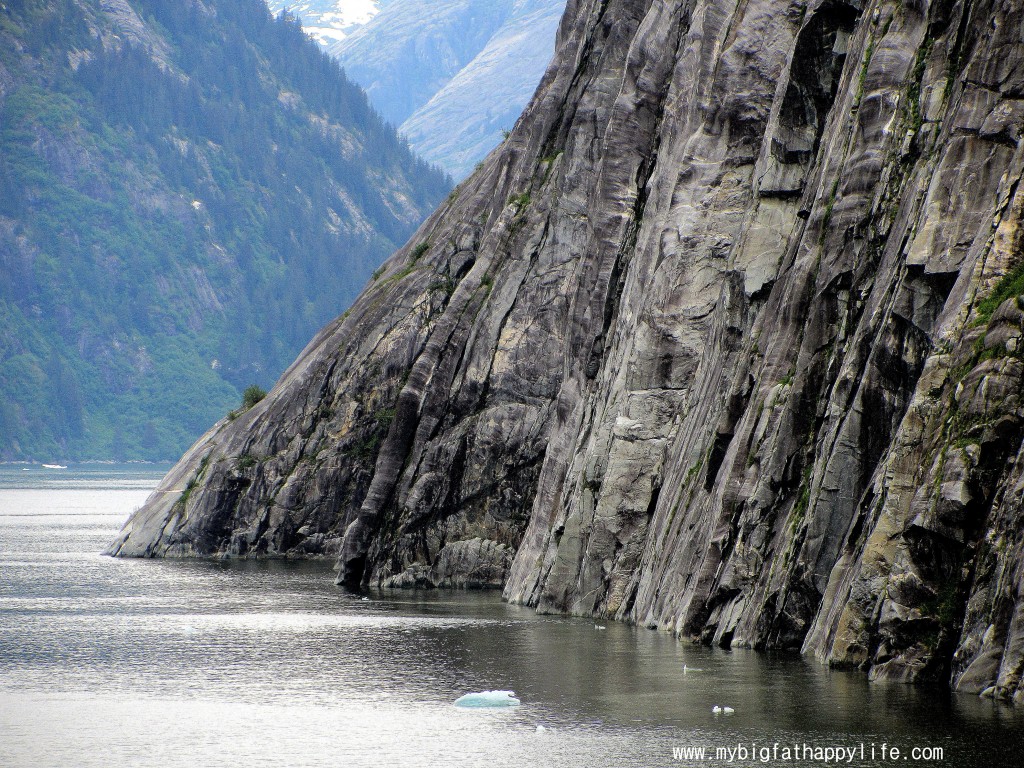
(487, 699)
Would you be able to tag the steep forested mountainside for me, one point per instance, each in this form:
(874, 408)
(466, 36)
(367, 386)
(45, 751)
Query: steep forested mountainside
(188, 191)
(452, 74)
(725, 340)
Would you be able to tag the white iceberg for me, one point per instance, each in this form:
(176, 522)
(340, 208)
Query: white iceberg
(485, 699)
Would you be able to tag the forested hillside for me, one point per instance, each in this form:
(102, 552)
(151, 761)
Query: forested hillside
(188, 190)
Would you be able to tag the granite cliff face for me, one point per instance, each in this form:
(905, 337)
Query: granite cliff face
(725, 339)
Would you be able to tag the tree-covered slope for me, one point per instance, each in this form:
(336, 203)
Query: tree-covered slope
(188, 190)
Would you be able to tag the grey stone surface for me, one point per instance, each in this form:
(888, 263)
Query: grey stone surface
(704, 343)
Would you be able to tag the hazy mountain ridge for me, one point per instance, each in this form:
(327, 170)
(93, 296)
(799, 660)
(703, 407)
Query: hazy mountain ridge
(470, 115)
(187, 192)
(452, 74)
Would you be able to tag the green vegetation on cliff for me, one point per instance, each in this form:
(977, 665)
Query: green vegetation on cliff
(188, 191)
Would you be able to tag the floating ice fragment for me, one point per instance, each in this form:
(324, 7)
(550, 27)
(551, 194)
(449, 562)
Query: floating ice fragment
(488, 699)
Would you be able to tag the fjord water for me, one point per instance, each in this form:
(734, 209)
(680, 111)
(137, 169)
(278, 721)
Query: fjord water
(107, 662)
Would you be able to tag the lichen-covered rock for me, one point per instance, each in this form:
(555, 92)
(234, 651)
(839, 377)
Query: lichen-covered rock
(717, 321)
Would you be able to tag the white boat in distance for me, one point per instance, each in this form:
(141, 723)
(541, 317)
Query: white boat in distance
(55, 466)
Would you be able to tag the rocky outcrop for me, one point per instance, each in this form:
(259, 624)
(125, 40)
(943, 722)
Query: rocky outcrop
(731, 320)
(474, 564)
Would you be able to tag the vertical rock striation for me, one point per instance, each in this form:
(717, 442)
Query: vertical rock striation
(725, 339)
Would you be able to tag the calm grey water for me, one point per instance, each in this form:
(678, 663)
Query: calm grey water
(108, 662)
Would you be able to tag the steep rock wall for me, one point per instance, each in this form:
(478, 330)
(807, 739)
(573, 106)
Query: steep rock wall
(419, 419)
(731, 319)
(744, 468)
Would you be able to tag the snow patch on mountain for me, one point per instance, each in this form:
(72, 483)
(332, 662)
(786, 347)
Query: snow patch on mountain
(330, 21)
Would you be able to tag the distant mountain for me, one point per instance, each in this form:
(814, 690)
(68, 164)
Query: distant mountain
(466, 118)
(331, 21)
(452, 74)
(188, 191)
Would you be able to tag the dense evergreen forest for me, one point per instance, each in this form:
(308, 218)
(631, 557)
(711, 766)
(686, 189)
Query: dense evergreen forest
(188, 191)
